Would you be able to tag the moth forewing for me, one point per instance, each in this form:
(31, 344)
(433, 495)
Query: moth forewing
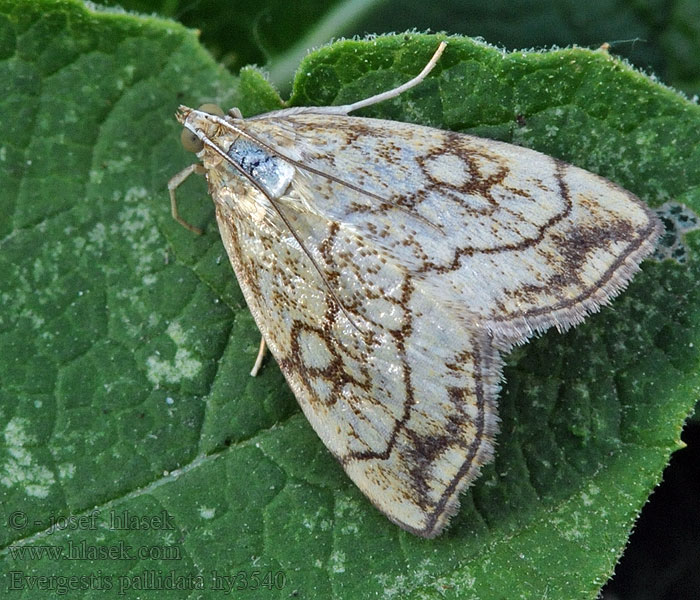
(388, 264)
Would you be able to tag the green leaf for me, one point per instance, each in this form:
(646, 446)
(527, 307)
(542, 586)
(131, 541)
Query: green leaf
(655, 35)
(125, 341)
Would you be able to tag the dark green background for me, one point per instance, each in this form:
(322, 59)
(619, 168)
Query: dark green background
(660, 36)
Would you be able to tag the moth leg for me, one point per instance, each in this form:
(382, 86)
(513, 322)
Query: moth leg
(402, 88)
(348, 108)
(261, 354)
(175, 182)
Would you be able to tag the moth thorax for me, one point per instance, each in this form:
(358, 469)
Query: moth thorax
(269, 171)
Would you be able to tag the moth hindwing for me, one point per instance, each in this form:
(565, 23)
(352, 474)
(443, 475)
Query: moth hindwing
(389, 265)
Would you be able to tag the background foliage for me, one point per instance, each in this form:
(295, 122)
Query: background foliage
(125, 343)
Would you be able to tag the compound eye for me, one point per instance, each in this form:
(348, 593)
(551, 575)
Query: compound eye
(190, 141)
(212, 109)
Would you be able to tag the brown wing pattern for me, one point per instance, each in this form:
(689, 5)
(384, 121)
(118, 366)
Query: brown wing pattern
(387, 264)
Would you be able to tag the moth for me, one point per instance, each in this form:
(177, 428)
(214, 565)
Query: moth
(388, 267)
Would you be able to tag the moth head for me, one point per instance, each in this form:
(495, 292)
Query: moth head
(189, 139)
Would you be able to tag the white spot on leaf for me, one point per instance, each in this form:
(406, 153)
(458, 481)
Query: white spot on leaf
(21, 468)
(183, 366)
